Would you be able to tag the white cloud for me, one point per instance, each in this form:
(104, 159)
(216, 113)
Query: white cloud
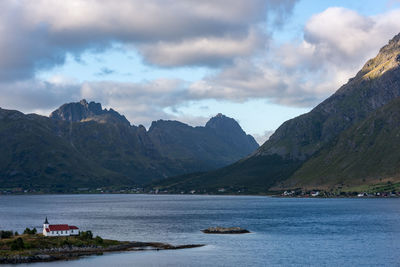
(261, 138)
(35, 35)
(336, 43)
(35, 95)
(211, 51)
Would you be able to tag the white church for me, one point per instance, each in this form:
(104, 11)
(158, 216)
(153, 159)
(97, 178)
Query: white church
(59, 229)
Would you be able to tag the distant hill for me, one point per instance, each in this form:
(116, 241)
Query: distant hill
(323, 148)
(83, 145)
(221, 142)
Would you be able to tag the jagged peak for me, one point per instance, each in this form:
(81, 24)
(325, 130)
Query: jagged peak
(83, 102)
(220, 117)
(87, 111)
(162, 123)
(222, 122)
(393, 44)
(387, 59)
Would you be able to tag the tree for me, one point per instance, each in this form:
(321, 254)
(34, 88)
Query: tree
(98, 240)
(17, 244)
(6, 234)
(28, 231)
(86, 235)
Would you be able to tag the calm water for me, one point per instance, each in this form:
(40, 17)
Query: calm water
(286, 232)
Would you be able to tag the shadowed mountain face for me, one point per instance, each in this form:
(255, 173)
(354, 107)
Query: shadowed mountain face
(366, 153)
(76, 112)
(299, 139)
(232, 133)
(375, 85)
(221, 142)
(84, 145)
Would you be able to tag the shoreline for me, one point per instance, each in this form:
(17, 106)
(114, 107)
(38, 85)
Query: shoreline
(220, 195)
(48, 251)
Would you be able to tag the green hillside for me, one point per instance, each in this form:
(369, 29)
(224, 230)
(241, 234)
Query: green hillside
(303, 144)
(34, 156)
(367, 153)
(82, 145)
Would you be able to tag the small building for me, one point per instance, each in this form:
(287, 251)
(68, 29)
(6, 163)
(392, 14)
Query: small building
(315, 193)
(59, 229)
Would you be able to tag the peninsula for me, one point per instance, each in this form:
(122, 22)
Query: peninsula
(32, 247)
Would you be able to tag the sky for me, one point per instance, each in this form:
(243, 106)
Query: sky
(261, 62)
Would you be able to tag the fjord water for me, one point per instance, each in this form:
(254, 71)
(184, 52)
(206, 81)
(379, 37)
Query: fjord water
(328, 232)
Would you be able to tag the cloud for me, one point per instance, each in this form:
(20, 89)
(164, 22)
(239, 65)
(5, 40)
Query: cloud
(341, 36)
(140, 102)
(303, 72)
(213, 51)
(247, 80)
(35, 95)
(261, 138)
(337, 42)
(37, 35)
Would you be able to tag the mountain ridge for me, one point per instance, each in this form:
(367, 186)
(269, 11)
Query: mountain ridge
(299, 139)
(98, 143)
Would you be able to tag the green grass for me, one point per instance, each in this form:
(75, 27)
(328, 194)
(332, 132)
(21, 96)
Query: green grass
(34, 243)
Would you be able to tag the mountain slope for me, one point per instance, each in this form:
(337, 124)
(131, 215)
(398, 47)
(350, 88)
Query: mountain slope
(365, 154)
(84, 145)
(221, 142)
(34, 156)
(376, 84)
(168, 148)
(296, 140)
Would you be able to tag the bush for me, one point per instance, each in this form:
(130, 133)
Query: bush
(65, 242)
(88, 235)
(6, 234)
(17, 244)
(16, 233)
(98, 240)
(28, 231)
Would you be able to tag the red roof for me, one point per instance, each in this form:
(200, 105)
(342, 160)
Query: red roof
(73, 227)
(47, 230)
(58, 227)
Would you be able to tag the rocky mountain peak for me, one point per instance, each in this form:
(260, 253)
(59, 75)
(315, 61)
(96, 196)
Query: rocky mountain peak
(83, 102)
(387, 59)
(230, 130)
(84, 111)
(222, 122)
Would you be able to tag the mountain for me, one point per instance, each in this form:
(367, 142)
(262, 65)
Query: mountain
(83, 145)
(84, 111)
(297, 142)
(221, 142)
(230, 131)
(365, 154)
(34, 155)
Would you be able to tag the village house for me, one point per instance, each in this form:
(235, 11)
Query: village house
(59, 229)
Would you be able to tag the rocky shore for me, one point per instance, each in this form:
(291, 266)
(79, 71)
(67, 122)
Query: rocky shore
(223, 230)
(68, 252)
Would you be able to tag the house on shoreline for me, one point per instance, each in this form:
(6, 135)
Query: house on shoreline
(59, 229)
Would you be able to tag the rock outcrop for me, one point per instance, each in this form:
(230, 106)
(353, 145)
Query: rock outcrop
(225, 230)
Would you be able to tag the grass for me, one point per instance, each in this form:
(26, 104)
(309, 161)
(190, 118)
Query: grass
(374, 188)
(34, 243)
